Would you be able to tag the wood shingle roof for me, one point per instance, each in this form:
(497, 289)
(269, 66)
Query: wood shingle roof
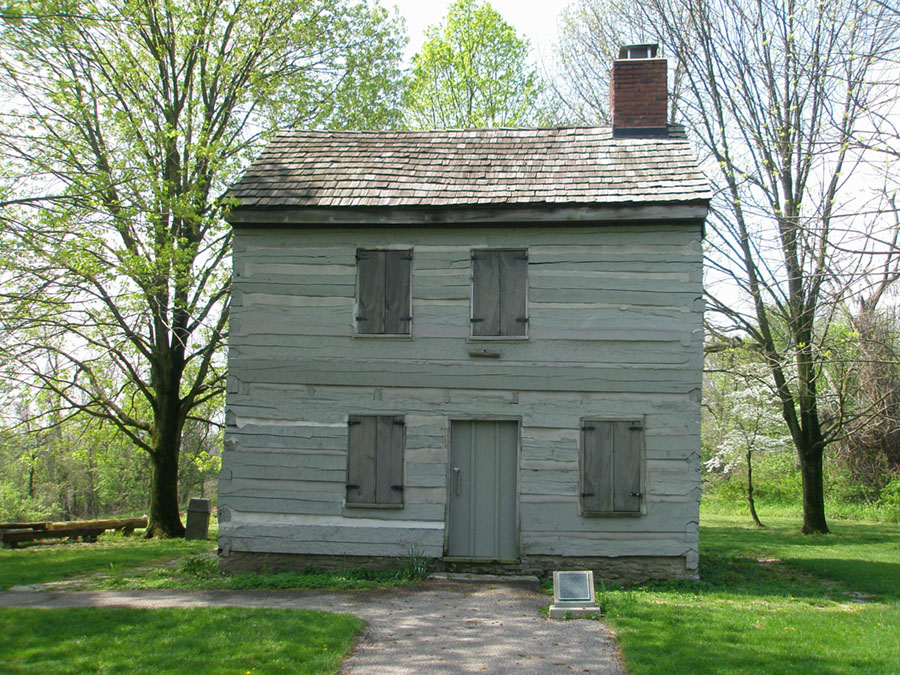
(484, 167)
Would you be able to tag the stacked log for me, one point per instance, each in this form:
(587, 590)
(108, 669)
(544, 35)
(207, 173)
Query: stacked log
(13, 534)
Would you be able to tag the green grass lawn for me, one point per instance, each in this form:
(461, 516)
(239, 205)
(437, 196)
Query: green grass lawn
(112, 553)
(198, 640)
(209, 640)
(201, 572)
(770, 601)
(119, 562)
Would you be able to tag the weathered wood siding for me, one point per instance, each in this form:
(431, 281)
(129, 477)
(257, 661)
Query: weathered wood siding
(614, 332)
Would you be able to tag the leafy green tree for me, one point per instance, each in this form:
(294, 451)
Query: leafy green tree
(123, 124)
(473, 71)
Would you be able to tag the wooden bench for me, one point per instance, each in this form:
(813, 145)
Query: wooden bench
(13, 534)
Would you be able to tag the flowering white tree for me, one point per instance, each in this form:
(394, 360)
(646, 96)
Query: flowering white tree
(749, 423)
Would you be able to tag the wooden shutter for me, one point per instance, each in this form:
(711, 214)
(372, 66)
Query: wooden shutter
(370, 291)
(397, 268)
(375, 460)
(361, 459)
(629, 442)
(485, 293)
(513, 291)
(611, 466)
(389, 460)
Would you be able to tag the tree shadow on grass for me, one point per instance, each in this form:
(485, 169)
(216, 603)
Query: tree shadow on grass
(746, 576)
(855, 557)
(736, 537)
(878, 578)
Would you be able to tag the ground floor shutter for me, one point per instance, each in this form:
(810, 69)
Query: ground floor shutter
(375, 460)
(612, 466)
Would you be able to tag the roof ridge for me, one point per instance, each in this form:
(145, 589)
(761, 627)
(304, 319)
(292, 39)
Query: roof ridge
(441, 130)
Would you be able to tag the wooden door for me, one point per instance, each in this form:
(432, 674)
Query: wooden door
(483, 493)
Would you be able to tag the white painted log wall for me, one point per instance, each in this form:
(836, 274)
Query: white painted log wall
(615, 331)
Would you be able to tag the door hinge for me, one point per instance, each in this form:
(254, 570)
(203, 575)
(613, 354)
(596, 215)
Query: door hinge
(587, 494)
(404, 318)
(400, 423)
(522, 319)
(399, 488)
(474, 320)
(362, 318)
(636, 494)
(352, 486)
(350, 423)
(588, 427)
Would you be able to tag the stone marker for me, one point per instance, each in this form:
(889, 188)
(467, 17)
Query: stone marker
(197, 519)
(573, 595)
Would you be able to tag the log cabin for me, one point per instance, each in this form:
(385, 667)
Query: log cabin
(481, 347)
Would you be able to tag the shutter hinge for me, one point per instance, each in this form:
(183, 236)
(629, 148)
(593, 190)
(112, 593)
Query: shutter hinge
(474, 320)
(587, 494)
(588, 428)
(636, 427)
(523, 256)
(362, 318)
(360, 256)
(400, 423)
(636, 494)
(405, 257)
(398, 488)
(350, 423)
(522, 319)
(404, 318)
(352, 486)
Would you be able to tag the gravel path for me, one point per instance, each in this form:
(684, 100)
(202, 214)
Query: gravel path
(436, 626)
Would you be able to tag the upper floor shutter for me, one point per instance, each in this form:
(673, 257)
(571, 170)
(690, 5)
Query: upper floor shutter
(499, 292)
(397, 272)
(370, 291)
(383, 291)
(513, 292)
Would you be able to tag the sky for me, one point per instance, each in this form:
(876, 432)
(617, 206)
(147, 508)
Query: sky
(532, 18)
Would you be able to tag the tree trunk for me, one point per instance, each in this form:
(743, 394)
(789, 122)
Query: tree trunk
(813, 492)
(750, 501)
(31, 475)
(164, 518)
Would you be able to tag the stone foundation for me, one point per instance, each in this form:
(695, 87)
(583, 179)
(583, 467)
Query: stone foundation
(621, 570)
(633, 569)
(265, 563)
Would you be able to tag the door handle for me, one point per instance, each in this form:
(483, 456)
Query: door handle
(457, 480)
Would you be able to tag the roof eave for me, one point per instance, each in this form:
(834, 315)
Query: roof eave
(462, 215)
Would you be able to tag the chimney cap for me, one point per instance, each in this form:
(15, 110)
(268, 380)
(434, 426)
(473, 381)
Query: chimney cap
(646, 51)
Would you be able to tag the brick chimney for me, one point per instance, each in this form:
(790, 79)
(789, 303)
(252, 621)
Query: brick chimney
(638, 95)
